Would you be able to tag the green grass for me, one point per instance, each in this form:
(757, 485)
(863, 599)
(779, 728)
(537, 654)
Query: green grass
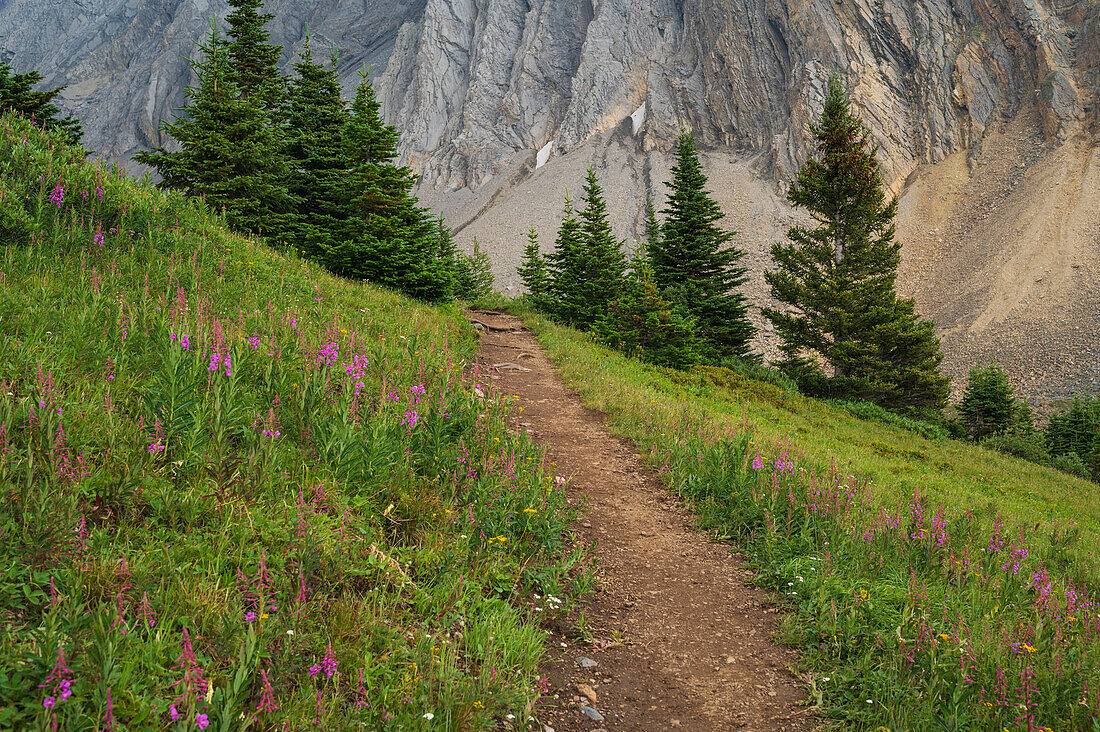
(932, 584)
(236, 491)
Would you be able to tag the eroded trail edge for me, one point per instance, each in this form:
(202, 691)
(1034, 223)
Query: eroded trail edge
(685, 641)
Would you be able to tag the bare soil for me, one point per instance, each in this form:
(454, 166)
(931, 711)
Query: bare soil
(681, 638)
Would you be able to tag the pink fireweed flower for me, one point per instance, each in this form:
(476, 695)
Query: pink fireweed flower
(59, 679)
(410, 419)
(254, 341)
(57, 195)
(228, 363)
(327, 356)
(758, 462)
(173, 712)
(329, 662)
(215, 360)
(98, 239)
(202, 721)
(99, 192)
(267, 695)
(417, 391)
(109, 716)
(185, 343)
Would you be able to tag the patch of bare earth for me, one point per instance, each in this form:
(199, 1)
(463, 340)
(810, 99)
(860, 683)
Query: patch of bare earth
(680, 638)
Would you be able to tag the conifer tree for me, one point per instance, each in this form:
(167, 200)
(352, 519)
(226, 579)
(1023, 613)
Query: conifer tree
(228, 151)
(652, 228)
(692, 265)
(17, 94)
(839, 277)
(316, 115)
(384, 236)
(567, 266)
(474, 275)
(989, 405)
(602, 277)
(255, 62)
(533, 272)
(643, 325)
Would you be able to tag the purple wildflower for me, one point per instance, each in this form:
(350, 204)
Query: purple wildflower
(57, 195)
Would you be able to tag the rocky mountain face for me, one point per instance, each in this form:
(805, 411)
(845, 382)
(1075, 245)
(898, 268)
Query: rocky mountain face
(985, 112)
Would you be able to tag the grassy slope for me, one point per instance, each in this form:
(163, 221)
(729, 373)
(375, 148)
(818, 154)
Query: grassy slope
(210, 539)
(965, 607)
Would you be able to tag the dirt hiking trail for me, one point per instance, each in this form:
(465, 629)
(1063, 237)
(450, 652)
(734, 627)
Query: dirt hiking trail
(681, 640)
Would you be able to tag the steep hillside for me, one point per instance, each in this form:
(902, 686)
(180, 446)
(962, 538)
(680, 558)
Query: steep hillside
(237, 491)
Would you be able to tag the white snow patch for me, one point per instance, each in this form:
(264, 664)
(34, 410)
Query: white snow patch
(638, 118)
(544, 155)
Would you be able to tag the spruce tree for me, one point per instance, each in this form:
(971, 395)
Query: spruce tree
(652, 228)
(255, 62)
(533, 271)
(567, 266)
(643, 325)
(316, 115)
(475, 274)
(228, 152)
(606, 266)
(989, 406)
(1075, 433)
(838, 277)
(17, 94)
(692, 265)
(384, 235)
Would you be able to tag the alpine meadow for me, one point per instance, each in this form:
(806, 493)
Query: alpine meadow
(549, 366)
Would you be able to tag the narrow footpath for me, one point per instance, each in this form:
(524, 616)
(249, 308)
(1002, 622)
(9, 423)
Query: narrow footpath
(680, 639)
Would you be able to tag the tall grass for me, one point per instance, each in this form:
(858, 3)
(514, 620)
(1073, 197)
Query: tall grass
(236, 491)
(931, 585)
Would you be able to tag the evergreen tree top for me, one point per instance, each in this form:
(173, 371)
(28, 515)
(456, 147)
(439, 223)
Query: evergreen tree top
(376, 141)
(844, 187)
(691, 246)
(255, 61)
(17, 94)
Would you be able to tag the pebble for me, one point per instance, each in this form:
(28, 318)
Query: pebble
(588, 693)
(592, 714)
(585, 662)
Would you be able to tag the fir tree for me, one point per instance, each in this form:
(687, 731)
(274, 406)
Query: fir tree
(652, 228)
(474, 278)
(602, 277)
(839, 277)
(17, 94)
(567, 267)
(384, 236)
(533, 271)
(989, 405)
(1075, 434)
(643, 325)
(255, 62)
(228, 151)
(316, 115)
(692, 265)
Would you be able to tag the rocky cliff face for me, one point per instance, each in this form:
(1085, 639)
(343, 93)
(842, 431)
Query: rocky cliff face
(126, 61)
(474, 81)
(985, 112)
